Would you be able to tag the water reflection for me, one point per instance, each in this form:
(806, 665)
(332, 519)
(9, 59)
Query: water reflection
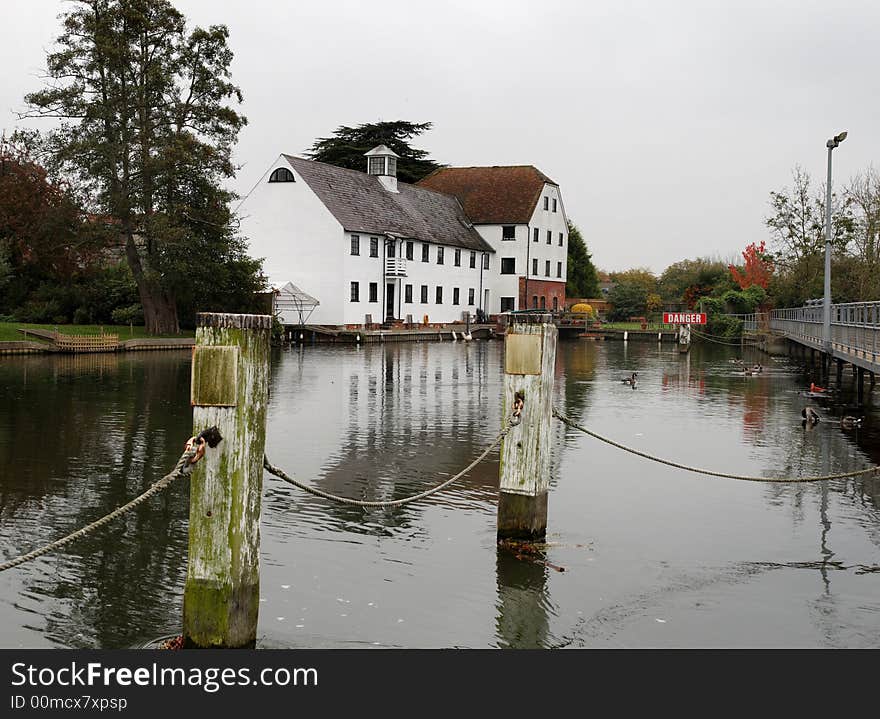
(653, 556)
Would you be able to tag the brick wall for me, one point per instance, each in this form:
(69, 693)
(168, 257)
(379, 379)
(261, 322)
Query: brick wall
(541, 289)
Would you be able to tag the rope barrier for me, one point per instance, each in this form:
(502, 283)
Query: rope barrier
(195, 448)
(391, 503)
(843, 475)
(711, 338)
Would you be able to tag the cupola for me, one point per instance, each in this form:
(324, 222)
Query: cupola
(382, 162)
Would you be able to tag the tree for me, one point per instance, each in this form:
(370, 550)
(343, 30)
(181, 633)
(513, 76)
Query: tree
(863, 195)
(628, 300)
(583, 280)
(688, 280)
(758, 267)
(640, 276)
(347, 145)
(146, 121)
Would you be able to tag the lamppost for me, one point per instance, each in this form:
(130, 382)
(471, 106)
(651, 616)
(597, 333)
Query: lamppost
(826, 313)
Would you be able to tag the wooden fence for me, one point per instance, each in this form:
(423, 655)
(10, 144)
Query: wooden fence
(86, 343)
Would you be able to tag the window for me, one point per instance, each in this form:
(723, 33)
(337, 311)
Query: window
(534, 266)
(555, 304)
(559, 269)
(534, 302)
(486, 261)
(392, 166)
(473, 259)
(409, 250)
(390, 250)
(374, 292)
(424, 294)
(374, 247)
(507, 304)
(438, 296)
(407, 294)
(536, 234)
(508, 232)
(543, 302)
(471, 296)
(439, 255)
(546, 203)
(457, 261)
(376, 166)
(425, 252)
(282, 174)
(455, 295)
(355, 292)
(508, 265)
(547, 268)
(560, 239)
(549, 237)
(355, 244)
(554, 204)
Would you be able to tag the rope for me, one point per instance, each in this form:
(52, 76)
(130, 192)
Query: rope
(711, 338)
(645, 455)
(391, 503)
(182, 469)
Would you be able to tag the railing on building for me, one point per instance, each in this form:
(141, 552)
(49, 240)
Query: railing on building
(855, 326)
(395, 267)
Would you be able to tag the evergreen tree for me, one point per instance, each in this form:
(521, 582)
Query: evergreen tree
(583, 280)
(347, 145)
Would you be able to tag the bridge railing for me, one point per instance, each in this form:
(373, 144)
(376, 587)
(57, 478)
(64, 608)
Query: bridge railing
(855, 326)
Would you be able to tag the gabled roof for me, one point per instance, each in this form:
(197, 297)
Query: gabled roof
(492, 195)
(360, 203)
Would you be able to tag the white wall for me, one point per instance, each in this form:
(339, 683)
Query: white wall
(365, 269)
(301, 241)
(524, 249)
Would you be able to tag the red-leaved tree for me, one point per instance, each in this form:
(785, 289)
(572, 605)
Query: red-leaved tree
(758, 268)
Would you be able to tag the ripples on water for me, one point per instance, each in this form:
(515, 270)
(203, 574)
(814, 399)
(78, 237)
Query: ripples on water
(653, 556)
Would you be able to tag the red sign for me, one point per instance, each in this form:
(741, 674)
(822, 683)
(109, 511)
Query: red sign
(684, 318)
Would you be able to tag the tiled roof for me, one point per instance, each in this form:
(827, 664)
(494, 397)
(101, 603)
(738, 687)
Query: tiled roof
(492, 195)
(361, 204)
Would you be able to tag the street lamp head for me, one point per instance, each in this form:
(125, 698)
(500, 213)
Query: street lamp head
(836, 140)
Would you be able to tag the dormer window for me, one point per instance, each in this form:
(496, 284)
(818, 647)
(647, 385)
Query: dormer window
(282, 174)
(377, 166)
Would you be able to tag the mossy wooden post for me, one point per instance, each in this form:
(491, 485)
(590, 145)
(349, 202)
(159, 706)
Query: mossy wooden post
(529, 362)
(230, 389)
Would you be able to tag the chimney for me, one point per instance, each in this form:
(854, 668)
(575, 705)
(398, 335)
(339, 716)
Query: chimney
(382, 162)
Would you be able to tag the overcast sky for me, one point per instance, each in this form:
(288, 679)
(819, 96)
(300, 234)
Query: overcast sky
(666, 124)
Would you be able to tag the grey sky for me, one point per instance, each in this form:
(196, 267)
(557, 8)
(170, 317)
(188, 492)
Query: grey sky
(666, 124)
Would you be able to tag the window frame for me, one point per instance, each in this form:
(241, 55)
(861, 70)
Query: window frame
(559, 268)
(471, 296)
(456, 295)
(510, 302)
(473, 259)
(512, 229)
(423, 294)
(534, 267)
(440, 254)
(426, 252)
(410, 249)
(549, 237)
(374, 247)
(537, 235)
(510, 264)
(355, 246)
(281, 172)
(373, 292)
(354, 291)
(407, 294)
(438, 295)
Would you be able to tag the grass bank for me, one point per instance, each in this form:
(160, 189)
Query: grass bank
(9, 331)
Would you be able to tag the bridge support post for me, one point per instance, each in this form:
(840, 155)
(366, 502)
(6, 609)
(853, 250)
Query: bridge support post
(839, 372)
(230, 389)
(860, 386)
(529, 362)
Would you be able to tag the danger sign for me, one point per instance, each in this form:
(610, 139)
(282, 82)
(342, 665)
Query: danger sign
(684, 318)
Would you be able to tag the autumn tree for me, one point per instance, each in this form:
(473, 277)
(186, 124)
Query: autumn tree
(347, 145)
(758, 268)
(146, 107)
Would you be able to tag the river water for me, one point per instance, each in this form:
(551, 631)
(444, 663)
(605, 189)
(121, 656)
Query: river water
(652, 556)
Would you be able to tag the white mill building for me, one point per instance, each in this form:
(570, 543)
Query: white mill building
(362, 243)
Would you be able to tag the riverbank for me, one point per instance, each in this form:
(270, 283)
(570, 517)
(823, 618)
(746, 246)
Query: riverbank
(30, 338)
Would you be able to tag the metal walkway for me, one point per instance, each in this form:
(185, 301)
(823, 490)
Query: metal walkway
(855, 330)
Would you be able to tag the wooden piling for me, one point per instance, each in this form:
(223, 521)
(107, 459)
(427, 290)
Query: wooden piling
(529, 362)
(230, 389)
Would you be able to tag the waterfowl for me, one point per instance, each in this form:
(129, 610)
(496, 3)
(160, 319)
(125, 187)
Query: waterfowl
(849, 422)
(809, 414)
(631, 380)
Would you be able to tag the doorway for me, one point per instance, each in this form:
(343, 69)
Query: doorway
(389, 302)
